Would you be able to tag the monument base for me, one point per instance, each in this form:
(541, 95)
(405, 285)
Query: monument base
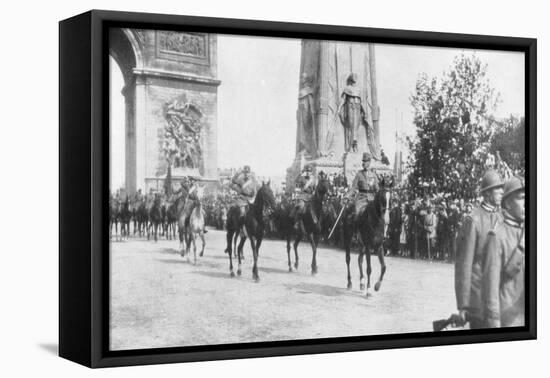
(349, 164)
(325, 164)
(353, 162)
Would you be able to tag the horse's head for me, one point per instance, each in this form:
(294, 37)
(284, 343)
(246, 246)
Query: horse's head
(323, 187)
(266, 196)
(383, 199)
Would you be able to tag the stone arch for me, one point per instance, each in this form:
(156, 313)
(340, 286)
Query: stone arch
(125, 50)
(159, 67)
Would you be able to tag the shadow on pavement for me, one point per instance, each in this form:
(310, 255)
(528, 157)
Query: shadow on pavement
(320, 289)
(170, 251)
(214, 274)
(273, 270)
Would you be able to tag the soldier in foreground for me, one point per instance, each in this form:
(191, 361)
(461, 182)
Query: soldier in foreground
(364, 187)
(503, 283)
(472, 237)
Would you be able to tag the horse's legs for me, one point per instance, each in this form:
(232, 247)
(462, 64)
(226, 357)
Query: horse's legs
(361, 275)
(296, 242)
(369, 267)
(348, 258)
(239, 260)
(288, 236)
(188, 241)
(255, 275)
(313, 241)
(229, 240)
(181, 236)
(203, 243)
(240, 247)
(382, 269)
(193, 239)
(229, 252)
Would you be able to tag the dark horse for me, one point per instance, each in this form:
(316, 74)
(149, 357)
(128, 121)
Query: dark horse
(309, 226)
(124, 216)
(142, 216)
(371, 226)
(155, 218)
(114, 212)
(252, 226)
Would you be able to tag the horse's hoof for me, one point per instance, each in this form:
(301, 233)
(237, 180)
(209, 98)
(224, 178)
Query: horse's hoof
(290, 270)
(377, 286)
(201, 254)
(296, 265)
(349, 285)
(362, 287)
(313, 271)
(232, 274)
(239, 272)
(257, 279)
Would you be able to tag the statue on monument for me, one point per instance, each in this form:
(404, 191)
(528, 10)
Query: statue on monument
(307, 129)
(182, 134)
(353, 115)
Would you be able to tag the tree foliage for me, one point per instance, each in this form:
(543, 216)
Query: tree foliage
(454, 129)
(507, 143)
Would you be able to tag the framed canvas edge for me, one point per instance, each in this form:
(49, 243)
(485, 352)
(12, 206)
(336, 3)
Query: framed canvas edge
(100, 357)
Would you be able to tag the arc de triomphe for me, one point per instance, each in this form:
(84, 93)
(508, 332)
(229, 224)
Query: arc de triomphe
(170, 78)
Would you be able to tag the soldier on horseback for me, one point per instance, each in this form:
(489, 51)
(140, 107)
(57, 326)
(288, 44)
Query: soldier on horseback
(243, 184)
(364, 187)
(305, 185)
(192, 199)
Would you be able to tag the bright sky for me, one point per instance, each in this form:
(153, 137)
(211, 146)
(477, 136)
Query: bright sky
(257, 99)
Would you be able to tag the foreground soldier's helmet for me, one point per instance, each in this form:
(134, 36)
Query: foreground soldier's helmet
(513, 185)
(491, 179)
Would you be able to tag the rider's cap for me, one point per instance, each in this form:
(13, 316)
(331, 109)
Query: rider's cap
(246, 168)
(366, 156)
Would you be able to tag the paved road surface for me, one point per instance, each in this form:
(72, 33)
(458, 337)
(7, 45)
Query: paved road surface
(159, 299)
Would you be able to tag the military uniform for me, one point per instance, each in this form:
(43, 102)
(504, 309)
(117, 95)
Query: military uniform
(471, 240)
(503, 279)
(364, 187)
(191, 200)
(305, 185)
(245, 188)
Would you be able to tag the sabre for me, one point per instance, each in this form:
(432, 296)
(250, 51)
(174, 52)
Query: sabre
(337, 220)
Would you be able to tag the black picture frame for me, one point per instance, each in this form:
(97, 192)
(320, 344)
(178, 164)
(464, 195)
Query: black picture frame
(84, 176)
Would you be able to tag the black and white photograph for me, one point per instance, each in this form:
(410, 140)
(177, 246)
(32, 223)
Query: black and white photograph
(273, 189)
